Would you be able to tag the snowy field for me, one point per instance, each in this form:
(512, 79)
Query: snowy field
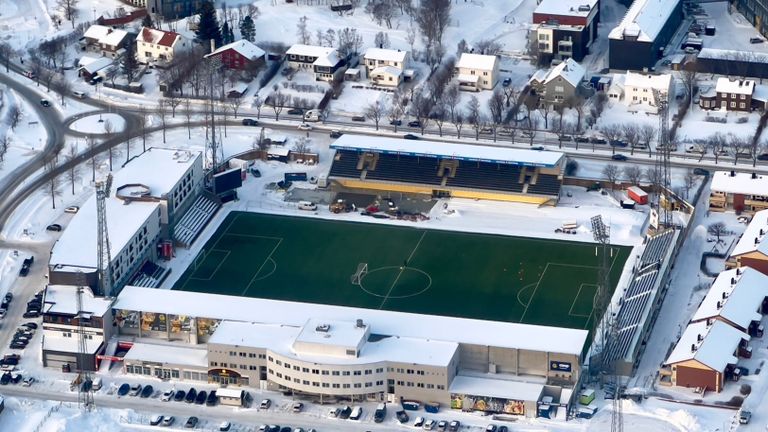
(96, 124)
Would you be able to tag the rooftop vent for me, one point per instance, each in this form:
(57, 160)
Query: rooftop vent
(719, 304)
(693, 348)
(700, 338)
(359, 323)
(733, 281)
(323, 328)
(584, 8)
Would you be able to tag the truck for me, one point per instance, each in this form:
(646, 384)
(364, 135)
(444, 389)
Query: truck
(637, 195)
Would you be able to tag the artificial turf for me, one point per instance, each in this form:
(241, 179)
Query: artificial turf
(493, 277)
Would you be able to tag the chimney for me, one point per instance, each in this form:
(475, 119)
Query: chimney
(733, 281)
(359, 323)
(699, 338)
(693, 348)
(213, 45)
(757, 240)
(761, 231)
(725, 295)
(719, 305)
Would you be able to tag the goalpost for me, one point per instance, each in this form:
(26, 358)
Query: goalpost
(357, 277)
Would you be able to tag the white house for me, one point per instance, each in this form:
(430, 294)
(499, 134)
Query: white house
(642, 90)
(158, 46)
(324, 62)
(385, 66)
(477, 72)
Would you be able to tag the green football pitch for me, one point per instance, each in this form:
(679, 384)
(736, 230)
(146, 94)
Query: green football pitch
(469, 275)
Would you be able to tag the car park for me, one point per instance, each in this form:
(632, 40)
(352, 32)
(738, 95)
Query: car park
(191, 422)
(168, 420)
(167, 395)
(147, 391)
(135, 390)
(250, 122)
(124, 389)
(53, 227)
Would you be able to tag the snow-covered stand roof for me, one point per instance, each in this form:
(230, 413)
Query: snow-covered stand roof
(711, 345)
(740, 183)
(735, 296)
(754, 237)
(644, 19)
(443, 150)
(476, 61)
(440, 328)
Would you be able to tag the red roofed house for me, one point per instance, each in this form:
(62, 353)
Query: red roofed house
(239, 55)
(158, 45)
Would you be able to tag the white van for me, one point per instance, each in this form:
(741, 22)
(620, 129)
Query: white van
(78, 94)
(313, 116)
(96, 384)
(356, 413)
(307, 205)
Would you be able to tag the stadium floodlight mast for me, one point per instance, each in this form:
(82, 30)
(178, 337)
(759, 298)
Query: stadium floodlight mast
(214, 65)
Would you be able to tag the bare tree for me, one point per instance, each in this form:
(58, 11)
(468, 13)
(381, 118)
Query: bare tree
(349, 41)
(302, 32)
(474, 116)
(53, 185)
(62, 86)
(689, 181)
(633, 174)
(738, 147)
(432, 17)
(69, 9)
(6, 52)
(397, 109)
(530, 126)
(73, 173)
(186, 109)
(496, 108)
(161, 111)
(421, 107)
(173, 100)
(375, 111)
(278, 100)
(688, 76)
(717, 229)
(611, 174)
(631, 134)
(235, 104)
(718, 143)
(109, 130)
(143, 123)
(258, 103)
(544, 109)
(14, 116)
(578, 104)
(646, 135)
(90, 145)
(301, 146)
(599, 100)
(611, 133)
(439, 115)
(451, 99)
(5, 143)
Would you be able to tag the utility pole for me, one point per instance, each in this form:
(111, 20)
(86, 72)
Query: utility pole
(103, 252)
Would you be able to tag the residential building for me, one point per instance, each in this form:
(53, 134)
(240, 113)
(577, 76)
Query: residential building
(386, 67)
(158, 45)
(62, 320)
(641, 37)
(752, 248)
(324, 62)
(104, 40)
(330, 351)
(643, 91)
(560, 83)
(565, 29)
(734, 95)
(148, 198)
(170, 10)
(240, 55)
(475, 72)
(739, 192)
(706, 354)
(739, 298)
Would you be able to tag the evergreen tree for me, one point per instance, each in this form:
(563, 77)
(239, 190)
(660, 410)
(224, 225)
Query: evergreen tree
(247, 29)
(226, 34)
(231, 35)
(128, 62)
(208, 27)
(147, 21)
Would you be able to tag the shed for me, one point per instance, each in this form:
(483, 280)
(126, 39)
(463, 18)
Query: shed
(352, 74)
(231, 396)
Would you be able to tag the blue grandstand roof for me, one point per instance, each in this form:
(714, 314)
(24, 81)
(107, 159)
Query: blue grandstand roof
(443, 150)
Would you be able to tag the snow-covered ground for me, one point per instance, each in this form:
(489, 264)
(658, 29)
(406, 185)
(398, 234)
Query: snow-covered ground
(95, 124)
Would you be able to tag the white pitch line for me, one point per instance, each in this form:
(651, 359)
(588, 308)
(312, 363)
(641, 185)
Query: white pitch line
(386, 297)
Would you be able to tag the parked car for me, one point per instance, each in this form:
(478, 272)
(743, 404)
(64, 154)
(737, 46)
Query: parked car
(72, 209)
(442, 425)
(225, 426)
(5, 379)
(402, 416)
(179, 396)
(168, 420)
(345, 412)
(31, 314)
(201, 397)
(305, 127)
(744, 416)
(414, 124)
(124, 389)
(167, 395)
(30, 325)
(212, 399)
(53, 227)
(28, 381)
(506, 82)
(191, 395)
(191, 422)
(419, 422)
(619, 157)
(265, 404)
(454, 426)
(356, 413)
(429, 425)
(155, 420)
(297, 407)
(147, 391)
(250, 122)
(336, 134)
(135, 390)
(411, 137)
(491, 428)
(396, 122)
(295, 111)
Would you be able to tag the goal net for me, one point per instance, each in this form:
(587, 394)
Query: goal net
(362, 270)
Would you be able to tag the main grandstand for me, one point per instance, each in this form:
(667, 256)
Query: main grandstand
(447, 169)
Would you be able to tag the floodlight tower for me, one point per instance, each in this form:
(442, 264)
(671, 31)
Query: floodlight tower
(104, 255)
(662, 181)
(84, 382)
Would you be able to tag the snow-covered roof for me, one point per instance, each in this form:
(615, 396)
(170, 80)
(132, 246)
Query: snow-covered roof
(96, 31)
(77, 245)
(330, 332)
(228, 392)
(711, 345)
(740, 183)
(114, 37)
(467, 78)
(754, 237)
(572, 8)
(71, 344)
(279, 339)
(387, 70)
(570, 70)
(168, 354)
(737, 86)
(243, 47)
(329, 60)
(384, 54)
(644, 19)
(424, 148)
(735, 55)
(407, 325)
(737, 302)
(760, 93)
(539, 76)
(160, 169)
(62, 299)
(496, 388)
(309, 50)
(476, 61)
(239, 87)
(94, 64)
(660, 82)
(157, 37)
